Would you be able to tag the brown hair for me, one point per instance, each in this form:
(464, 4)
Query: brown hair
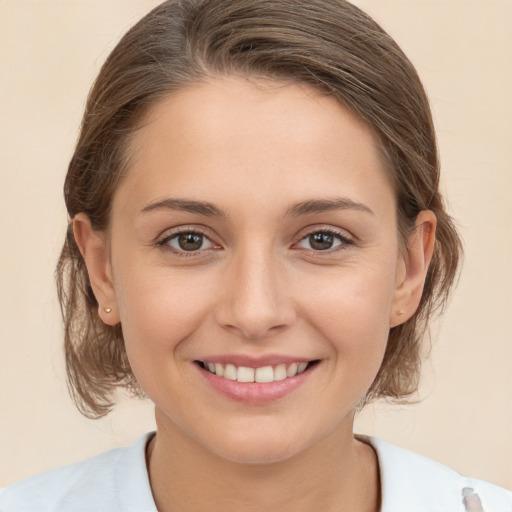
(328, 44)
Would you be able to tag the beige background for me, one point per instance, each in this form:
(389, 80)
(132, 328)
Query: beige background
(50, 51)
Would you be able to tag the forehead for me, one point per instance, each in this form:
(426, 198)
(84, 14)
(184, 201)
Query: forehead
(229, 135)
(233, 111)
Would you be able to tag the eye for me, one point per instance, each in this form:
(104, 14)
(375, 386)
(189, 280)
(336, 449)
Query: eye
(323, 240)
(187, 241)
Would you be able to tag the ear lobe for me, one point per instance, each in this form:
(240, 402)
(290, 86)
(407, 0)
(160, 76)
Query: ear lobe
(94, 250)
(409, 289)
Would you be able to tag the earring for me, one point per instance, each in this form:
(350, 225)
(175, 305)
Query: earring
(108, 310)
(400, 312)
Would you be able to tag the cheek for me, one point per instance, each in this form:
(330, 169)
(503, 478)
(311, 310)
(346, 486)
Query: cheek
(159, 313)
(159, 308)
(352, 310)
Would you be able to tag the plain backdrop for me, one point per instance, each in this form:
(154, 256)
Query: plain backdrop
(50, 52)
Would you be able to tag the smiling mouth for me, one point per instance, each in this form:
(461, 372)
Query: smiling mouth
(263, 374)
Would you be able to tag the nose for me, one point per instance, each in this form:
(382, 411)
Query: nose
(256, 301)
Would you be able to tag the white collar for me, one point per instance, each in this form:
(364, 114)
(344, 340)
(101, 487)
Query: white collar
(409, 482)
(118, 480)
(413, 483)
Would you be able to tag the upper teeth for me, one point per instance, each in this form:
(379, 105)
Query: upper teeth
(262, 374)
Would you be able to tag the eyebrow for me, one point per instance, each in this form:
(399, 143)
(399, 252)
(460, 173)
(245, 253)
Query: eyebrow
(200, 207)
(326, 205)
(308, 207)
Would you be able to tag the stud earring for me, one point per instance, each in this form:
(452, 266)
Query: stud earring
(400, 313)
(108, 310)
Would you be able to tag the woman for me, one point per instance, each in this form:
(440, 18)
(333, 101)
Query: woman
(257, 242)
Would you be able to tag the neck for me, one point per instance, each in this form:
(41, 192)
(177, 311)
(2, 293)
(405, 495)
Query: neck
(337, 474)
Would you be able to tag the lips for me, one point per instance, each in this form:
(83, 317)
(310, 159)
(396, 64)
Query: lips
(255, 381)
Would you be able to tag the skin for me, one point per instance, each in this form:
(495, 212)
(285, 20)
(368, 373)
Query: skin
(257, 286)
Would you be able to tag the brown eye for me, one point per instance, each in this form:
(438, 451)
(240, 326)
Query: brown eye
(189, 241)
(323, 241)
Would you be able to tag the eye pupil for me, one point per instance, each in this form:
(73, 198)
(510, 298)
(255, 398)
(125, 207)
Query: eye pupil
(321, 241)
(190, 241)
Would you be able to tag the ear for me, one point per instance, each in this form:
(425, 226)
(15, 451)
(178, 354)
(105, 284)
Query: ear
(94, 249)
(413, 268)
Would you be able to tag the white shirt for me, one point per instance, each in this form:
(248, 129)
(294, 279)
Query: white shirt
(117, 481)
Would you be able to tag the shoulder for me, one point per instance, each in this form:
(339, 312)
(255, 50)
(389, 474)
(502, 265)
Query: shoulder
(412, 482)
(114, 480)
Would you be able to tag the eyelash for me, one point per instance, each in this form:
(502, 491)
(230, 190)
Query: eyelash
(341, 237)
(164, 243)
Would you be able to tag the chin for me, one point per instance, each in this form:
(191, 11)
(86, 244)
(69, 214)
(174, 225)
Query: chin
(256, 453)
(260, 445)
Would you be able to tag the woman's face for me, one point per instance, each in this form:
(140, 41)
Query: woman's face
(255, 230)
